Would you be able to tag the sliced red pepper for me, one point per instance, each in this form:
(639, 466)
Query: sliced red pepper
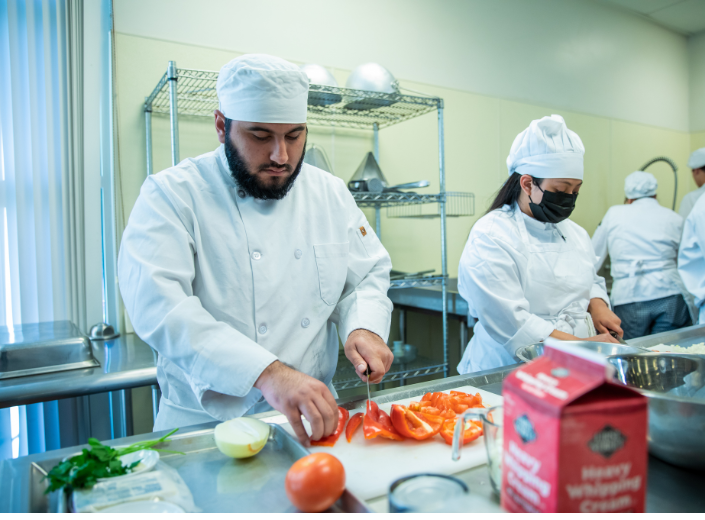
(353, 424)
(473, 430)
(378, 424)
(343, 415)
(415, 425)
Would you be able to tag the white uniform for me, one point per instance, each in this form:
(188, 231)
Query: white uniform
(522, 280)
(689, 200)
(642, 240)
(221, 284)
(691, 256)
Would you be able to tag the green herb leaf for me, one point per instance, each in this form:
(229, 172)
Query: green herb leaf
(101, 461)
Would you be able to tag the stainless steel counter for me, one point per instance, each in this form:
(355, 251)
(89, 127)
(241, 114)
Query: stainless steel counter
(125, 362)
(670, 489)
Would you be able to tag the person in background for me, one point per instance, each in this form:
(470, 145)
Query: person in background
(691, 257)
(642, 238)
(697, 164)
(243, 266)
(527, 272)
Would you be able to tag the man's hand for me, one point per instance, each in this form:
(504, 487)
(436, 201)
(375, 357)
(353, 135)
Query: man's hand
(603, 318)
(293, 394)
(364, 348)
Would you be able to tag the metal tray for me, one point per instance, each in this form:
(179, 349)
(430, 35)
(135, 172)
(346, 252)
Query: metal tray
(41, 348)
(218, 483)
(684, 337)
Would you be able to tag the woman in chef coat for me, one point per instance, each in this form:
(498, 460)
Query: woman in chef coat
(526, 271)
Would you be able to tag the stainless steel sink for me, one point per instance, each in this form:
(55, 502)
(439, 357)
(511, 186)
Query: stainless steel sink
(40, 348)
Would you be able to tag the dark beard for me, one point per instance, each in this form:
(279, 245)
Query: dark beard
(249, 182)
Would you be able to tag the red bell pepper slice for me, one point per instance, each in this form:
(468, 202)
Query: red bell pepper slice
(343, 415)
(473, 430)
(415, 425)
(378, 424)
(353, 424)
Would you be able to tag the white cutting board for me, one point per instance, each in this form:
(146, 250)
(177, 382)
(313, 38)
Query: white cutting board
(371, 466)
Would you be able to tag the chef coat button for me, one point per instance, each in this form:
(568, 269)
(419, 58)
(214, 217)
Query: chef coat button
(262, 329)
(298, 253)
(241, 194)
(256, 255)
(305, 322)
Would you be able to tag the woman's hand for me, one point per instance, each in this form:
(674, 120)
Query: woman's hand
(604, 319)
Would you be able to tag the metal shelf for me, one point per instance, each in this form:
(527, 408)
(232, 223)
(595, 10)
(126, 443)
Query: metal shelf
(346, 377)
(458, 204)
(425, 281)
(370, 199)
(328, 106)
(363, 108)
(195, 90)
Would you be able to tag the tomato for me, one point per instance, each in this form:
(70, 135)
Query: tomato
(473, 430)
(415, 425)
(315, 482)
(343, 415)
(353, 425)
(377, 423)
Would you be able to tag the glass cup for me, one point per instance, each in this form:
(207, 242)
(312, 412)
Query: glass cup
(425, 493)
(492, 430)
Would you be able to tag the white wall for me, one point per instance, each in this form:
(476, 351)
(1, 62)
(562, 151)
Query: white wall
(570, 54)
(696, 52)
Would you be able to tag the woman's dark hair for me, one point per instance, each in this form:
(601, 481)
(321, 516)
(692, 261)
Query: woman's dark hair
(510, 191)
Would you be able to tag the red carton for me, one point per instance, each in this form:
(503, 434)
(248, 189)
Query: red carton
(574, 441)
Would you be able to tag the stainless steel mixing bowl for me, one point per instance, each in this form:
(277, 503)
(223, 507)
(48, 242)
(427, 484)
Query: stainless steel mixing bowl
(530, 352)
(675, 387)
(319, 75)
(372, 77)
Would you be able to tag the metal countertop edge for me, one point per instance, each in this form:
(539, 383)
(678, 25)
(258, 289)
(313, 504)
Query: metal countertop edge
(51, 390)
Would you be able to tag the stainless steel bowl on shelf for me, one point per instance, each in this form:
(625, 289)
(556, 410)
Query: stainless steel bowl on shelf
(675, 387)
(530, 352)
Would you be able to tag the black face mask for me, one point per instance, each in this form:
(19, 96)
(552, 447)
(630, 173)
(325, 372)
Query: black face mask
(555, 207)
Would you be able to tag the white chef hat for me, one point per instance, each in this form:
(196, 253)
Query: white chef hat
(547, 150)
(260, 88)
(697, 159)
(640, 184)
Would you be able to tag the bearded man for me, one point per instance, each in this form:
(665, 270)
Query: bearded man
(242, 266)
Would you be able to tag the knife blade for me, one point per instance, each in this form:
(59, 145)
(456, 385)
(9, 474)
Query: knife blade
(367, 373)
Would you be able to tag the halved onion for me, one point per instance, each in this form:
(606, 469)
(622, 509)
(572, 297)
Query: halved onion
(242, 437)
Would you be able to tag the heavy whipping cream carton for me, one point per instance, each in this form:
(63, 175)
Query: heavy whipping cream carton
(574, 441)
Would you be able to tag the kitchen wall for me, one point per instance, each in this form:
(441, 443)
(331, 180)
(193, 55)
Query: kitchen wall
(568, 54)
(696, 52)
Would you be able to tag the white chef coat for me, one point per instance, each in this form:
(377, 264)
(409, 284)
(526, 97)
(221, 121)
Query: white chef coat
(642, 240)
(689, 200)
(522, 280)
(221, 285)
(691, 256)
